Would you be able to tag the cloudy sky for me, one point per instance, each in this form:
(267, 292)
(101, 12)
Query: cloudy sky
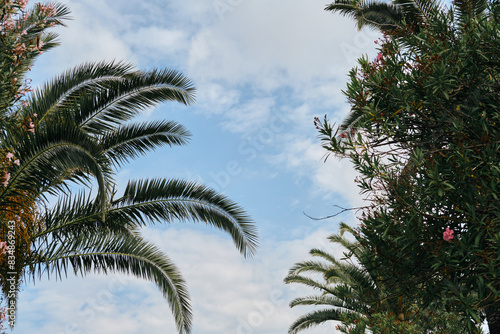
(263, 70)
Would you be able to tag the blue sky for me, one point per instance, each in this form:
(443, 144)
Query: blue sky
(263, 70)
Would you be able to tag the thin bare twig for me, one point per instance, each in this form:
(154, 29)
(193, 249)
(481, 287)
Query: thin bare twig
(338, 213)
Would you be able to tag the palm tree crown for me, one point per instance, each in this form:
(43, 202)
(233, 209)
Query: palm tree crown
(79, 133)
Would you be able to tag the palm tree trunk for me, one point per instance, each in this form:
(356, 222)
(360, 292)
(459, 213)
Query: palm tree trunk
(493, 318)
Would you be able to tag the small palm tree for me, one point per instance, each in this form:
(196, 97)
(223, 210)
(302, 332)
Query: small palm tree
(347, 289)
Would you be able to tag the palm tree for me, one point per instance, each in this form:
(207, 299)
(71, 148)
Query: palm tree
(78, 132)
(355, 292)
(385, 16)
(349, 291)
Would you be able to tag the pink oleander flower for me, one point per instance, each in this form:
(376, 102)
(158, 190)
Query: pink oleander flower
(35, 115)
(20, 48)
(3, 247)
(7, 178)
(9, 156)
(17, 162)
(23, 3)
(9, 24)
(31, 126)
(379, 57)
(448, 234)
(343, 135)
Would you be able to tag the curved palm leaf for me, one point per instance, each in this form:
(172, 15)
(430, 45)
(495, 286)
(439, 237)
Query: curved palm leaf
(130, 254)
(315, 318)
(120, 101)
(166, 200)
(375, 14)
(133, 140)
(308, 282)
(51, 153)
(153, 201)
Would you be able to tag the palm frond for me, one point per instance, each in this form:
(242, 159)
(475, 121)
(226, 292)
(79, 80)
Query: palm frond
(375, 14)
(123, 99)
(76, 214)
(324, 255)
(48, 154)
(329, 300)
(315, 318)
(128, 254)
(63, 91)
(134, 140)
(309, 266)
(158, 200)
(308, 282)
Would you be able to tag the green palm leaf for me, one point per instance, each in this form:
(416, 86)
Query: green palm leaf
(121, 100)
(129, 254)
(133, 140)
(167, 200)
(62, 92)
(51, 153)
(315, 318)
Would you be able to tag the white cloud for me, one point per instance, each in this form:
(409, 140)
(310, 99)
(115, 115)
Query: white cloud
(249, 117)
(214, 98)
(155, 39)
(92, 35)
(272, 45)
(305, 158)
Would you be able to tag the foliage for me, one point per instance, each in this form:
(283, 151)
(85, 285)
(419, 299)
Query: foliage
(23, 36)
(359, 298)
(388, 16)
(74, 131)
(424, 135)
